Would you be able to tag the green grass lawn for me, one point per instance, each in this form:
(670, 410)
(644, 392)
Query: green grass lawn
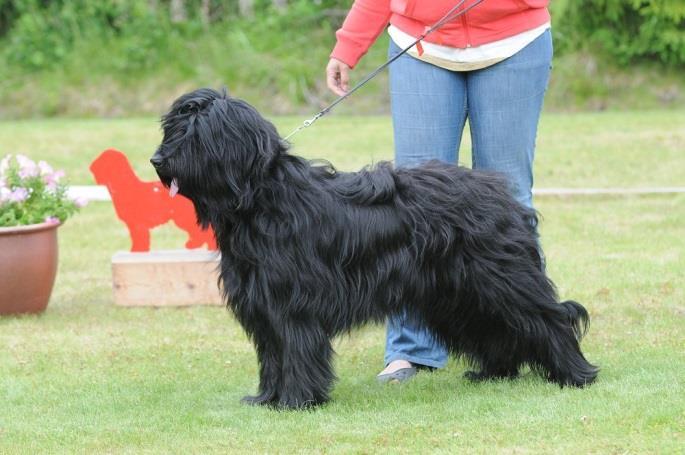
(89, 377)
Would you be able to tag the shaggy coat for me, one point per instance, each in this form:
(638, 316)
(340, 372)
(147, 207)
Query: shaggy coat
(308, 252)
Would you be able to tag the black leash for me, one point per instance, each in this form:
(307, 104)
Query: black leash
(449, 16)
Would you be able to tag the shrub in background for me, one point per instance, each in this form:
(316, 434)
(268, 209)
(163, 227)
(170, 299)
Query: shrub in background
(128, 57)
(628, 30)
(40, 35)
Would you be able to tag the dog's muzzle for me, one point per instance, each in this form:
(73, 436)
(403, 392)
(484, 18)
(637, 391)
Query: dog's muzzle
(156, 161)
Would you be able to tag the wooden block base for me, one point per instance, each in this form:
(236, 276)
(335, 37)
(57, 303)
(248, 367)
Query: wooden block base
(166, 278)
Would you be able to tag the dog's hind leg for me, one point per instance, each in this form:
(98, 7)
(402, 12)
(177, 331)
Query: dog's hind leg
(519, 312)
(494, 370)
(499, 358)
(307, 374)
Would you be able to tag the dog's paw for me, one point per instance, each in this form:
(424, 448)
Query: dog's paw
(263, 399)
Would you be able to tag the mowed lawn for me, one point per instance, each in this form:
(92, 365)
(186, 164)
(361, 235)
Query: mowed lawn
(89, 377)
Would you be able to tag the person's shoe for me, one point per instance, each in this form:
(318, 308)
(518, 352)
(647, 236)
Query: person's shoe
(397, 376)
(396, 372)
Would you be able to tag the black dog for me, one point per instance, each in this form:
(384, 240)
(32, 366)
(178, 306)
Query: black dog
(308, 252)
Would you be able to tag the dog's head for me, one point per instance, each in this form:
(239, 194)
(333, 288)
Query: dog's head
(215, 151)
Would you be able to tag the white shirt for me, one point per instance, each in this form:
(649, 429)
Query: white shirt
(470, 58)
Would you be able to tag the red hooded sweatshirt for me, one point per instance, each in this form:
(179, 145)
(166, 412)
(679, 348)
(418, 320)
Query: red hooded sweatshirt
(489, 21)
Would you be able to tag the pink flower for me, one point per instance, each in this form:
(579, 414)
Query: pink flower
(19, 195)
(25, 161)
(5, 164)
(80, 201)
(33, 189)
(45, 168)
(27, 167)
(4, 194)
(52, 178)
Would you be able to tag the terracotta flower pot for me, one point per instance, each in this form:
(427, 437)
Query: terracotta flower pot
(28, 265)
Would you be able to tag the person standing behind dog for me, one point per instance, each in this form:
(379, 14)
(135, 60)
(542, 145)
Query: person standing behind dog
(490, 65)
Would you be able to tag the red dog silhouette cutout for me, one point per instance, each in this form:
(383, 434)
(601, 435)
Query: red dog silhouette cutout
(146, 205)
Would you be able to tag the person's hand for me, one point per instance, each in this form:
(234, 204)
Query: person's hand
(337, 76)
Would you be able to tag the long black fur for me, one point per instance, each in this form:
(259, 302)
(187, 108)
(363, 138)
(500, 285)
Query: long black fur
(308, 252)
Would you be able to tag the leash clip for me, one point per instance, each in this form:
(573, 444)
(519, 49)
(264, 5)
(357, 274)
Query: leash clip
(305, 124)
(311, 121)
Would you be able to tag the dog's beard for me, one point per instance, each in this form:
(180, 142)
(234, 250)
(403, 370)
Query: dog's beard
(169, 182)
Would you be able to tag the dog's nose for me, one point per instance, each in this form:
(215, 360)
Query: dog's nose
(156, 161)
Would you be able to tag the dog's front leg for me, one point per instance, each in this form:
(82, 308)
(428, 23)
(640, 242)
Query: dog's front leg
(307, 374)
(269, 356)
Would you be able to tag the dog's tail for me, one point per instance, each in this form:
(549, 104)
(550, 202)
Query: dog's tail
(562, 357)
(577, 318)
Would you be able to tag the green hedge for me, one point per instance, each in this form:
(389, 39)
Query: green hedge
(39, 34)
(42, 34)
(628, 30)
(124, 57)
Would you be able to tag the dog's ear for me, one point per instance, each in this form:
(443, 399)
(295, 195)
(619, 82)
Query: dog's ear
(197, 101)
(189, 107)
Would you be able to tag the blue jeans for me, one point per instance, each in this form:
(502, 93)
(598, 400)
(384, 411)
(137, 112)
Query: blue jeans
(430, 106)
